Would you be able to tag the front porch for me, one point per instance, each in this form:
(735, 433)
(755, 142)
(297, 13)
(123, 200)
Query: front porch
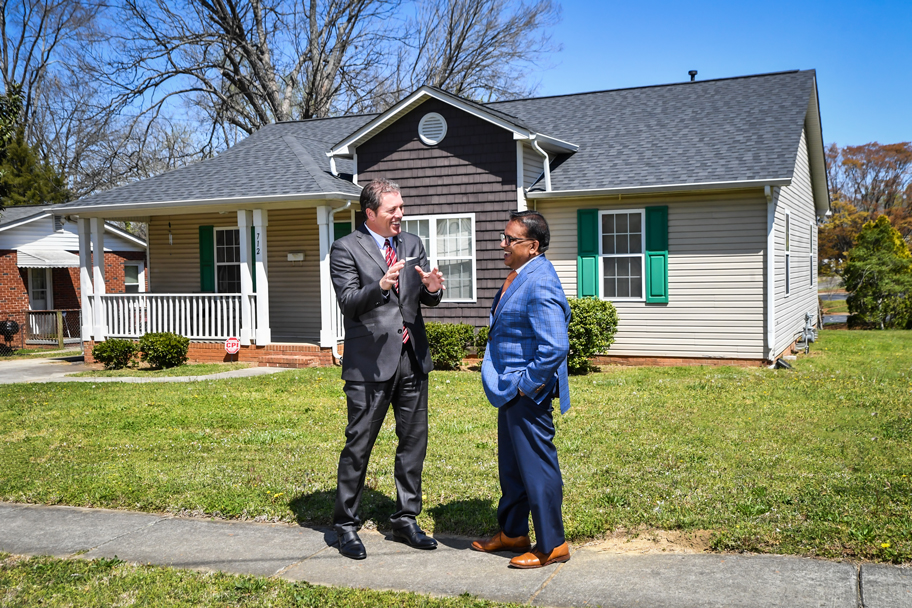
(264, 291)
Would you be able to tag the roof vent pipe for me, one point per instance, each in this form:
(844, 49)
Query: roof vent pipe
(693, 75)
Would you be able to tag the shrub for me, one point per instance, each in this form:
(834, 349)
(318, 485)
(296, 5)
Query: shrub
(481, 342)
(592, 328)
(448, 343)
(164, 349)
(115, 353)
(878, 277)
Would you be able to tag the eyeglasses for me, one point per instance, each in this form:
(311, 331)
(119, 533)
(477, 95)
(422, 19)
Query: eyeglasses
(512, 239)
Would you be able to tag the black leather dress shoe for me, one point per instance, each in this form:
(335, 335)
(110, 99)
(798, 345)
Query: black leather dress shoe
(351, 546)
(413, 536)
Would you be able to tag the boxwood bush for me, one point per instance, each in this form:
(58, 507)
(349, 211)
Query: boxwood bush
(115, 353)
(164, 349)
(449, 343)
(592, 328)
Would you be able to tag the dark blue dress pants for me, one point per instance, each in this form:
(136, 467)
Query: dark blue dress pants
(530, 477)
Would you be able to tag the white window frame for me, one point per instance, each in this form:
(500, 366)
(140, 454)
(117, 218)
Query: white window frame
(140, 274)
(49, 281)
(431, 248)
(642, 254)
(215, 254)
(788, 252)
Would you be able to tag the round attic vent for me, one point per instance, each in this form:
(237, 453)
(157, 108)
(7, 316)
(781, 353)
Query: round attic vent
(432, 129)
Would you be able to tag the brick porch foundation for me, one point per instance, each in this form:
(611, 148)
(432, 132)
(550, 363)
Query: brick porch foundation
(272, 355)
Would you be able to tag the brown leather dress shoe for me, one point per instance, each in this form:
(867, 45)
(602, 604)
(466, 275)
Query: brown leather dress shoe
(537, 559)
(502, 542)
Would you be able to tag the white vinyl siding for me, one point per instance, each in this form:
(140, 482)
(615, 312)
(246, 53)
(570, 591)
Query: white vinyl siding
(715, 276)
(294, 287)
(533, 166)
(788, 253)
(449, 242)
(797, 202)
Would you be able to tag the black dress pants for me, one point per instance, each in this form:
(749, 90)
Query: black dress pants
(368, 403)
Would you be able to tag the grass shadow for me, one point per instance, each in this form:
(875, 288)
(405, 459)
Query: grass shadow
(316, 509)
(473, 517)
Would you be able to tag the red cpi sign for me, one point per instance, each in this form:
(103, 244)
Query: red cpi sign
(232, 346)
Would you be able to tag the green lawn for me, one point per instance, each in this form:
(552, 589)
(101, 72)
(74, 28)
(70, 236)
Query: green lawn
(53, 582)
(194, 369)
(835, 307)
(815, 461)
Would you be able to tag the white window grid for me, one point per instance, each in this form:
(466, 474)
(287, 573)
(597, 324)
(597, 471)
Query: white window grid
(230, 252)
(140, 283)
(641, 255)
(447, 247)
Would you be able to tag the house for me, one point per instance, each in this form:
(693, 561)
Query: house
(691, 206)
(39, 272)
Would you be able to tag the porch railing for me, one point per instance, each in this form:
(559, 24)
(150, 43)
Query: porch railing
(195, 316)
(53, 327)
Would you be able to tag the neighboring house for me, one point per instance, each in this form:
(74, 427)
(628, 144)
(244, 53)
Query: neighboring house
(39, 270)
(691, 206)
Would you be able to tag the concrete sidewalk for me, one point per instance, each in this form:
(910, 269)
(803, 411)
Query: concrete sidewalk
(590, 578)
(57, 370)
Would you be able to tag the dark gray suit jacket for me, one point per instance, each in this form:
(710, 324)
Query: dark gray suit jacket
(373, 325)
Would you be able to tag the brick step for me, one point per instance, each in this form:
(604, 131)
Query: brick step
(294, 361)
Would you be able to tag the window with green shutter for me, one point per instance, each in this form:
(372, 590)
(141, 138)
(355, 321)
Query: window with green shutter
(623, 254)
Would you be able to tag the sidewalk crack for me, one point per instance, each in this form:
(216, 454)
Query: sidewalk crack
(111, 540)
(859, 587)
(545, 584)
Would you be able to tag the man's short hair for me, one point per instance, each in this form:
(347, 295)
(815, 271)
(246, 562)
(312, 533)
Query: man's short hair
(536, 227)
(373, 190)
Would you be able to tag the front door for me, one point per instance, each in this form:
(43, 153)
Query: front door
(40, 296)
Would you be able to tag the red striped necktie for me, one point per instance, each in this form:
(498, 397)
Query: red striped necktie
(390, 260)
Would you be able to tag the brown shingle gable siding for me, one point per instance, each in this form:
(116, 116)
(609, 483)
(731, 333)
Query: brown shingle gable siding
(473, 170)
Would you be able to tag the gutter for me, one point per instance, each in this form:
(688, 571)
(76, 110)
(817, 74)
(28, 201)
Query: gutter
(332, 219)
(770, 273)
(547, 162)
(695, 187)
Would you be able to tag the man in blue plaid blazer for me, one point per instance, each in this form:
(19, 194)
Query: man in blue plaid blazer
(524, 368)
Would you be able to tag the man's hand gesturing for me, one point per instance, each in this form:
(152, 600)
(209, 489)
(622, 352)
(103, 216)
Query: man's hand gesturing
(432, 280)
(391, 276)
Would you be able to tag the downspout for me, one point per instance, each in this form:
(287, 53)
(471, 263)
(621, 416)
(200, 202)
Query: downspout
(770, 274)
(332, 237)
(547, 163)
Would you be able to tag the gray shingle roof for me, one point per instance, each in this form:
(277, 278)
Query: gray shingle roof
(726, 130)
(734, 129)
(280, 159)
(20, 212)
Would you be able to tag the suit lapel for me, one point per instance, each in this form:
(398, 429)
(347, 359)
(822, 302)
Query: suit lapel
(518, 282)
(369, 245)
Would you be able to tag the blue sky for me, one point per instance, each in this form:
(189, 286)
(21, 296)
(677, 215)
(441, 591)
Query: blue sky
(862, 52)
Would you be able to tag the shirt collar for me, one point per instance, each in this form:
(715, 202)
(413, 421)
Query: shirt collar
(521, 268)
(380, 240)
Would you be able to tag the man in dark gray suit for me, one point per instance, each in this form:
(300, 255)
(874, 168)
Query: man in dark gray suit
(381, 276)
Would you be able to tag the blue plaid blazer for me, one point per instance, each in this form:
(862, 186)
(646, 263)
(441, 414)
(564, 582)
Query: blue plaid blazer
(527, 340)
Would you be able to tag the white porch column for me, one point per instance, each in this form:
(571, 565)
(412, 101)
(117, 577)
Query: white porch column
(327, 295)
(97, 227)
(85, 278)
(245, 221)
(263, 331)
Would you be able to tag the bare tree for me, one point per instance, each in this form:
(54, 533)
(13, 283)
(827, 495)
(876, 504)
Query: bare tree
(245, 64)
(479, 49)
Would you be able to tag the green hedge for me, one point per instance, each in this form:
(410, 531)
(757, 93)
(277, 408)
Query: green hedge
(592, 328)
(449, 343)
(115, 353)
(164, 349)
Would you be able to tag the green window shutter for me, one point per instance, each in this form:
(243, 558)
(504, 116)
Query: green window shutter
(657, 255)
(340, 229)
(253, 256)
(587, 252)
(207, 258)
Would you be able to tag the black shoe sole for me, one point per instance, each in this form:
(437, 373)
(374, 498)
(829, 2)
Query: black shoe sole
(405, 541)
